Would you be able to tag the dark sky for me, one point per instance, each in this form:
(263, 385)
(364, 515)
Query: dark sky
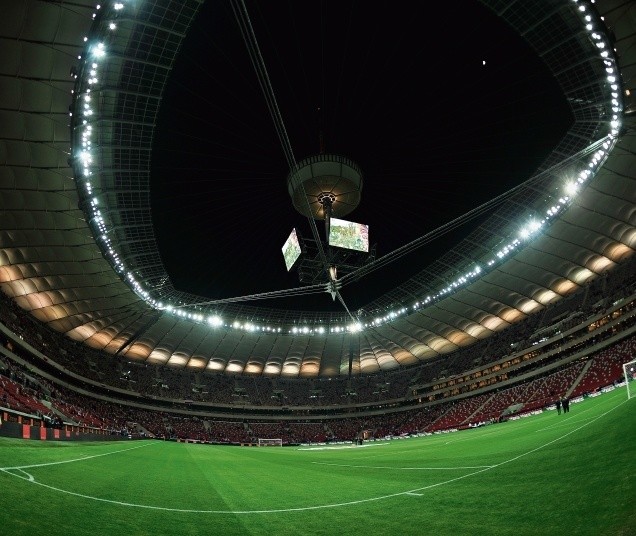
(403, 91)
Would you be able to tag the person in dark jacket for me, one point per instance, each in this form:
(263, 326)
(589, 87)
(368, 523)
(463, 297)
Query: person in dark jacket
(566, 405)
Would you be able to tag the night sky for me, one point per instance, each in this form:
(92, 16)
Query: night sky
(403, 90)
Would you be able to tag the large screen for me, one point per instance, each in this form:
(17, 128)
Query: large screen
(291, 250)
(349, 235)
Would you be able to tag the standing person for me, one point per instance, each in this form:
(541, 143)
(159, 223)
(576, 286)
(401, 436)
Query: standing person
(566, 405)
(558, 406)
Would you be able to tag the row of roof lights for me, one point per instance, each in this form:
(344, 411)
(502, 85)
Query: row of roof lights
(87, 111)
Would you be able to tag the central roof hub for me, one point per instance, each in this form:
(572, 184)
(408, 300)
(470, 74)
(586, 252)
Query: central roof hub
(320, 179)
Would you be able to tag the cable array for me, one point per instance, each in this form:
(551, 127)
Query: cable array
(463, 219)
(247, 31)
(286, 293)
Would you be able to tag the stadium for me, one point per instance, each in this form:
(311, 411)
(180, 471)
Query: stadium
(459, 358)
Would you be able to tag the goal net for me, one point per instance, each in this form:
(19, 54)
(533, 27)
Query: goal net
(270, 442)
(629, 370)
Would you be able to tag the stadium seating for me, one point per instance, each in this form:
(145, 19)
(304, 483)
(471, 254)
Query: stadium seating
(21, 390)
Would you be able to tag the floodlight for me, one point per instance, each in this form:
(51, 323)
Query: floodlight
(215, 321)
(99, 51)
(571, 188)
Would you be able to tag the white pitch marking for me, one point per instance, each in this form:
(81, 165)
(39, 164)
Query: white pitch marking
(20, 467)
(413, 493)
(318, 506)
(473, 437)
(340, 447)
(31, 478)
(404, 468)
(565, 421)
(469, 438)
(559, 425)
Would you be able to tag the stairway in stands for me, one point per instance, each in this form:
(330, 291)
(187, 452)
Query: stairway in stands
(576, 382)
(61, 415)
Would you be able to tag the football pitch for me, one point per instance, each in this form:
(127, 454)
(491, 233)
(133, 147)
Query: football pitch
(546, 474)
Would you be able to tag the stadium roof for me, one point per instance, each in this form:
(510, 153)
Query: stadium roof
(78, 248)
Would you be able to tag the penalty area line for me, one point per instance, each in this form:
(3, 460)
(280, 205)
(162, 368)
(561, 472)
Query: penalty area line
(404, 468)
(341, 447)
(83, 459)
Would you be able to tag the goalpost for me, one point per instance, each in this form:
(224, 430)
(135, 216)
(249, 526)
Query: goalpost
(270, 442)
(629, 370)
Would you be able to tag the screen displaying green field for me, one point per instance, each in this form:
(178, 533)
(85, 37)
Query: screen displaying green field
(349, 235)
(545, 474)
(291, 250)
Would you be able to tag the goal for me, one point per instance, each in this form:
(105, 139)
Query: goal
(270, 442)
(629, 370)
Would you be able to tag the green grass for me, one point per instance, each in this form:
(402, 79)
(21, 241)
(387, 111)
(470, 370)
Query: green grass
(549, 474)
